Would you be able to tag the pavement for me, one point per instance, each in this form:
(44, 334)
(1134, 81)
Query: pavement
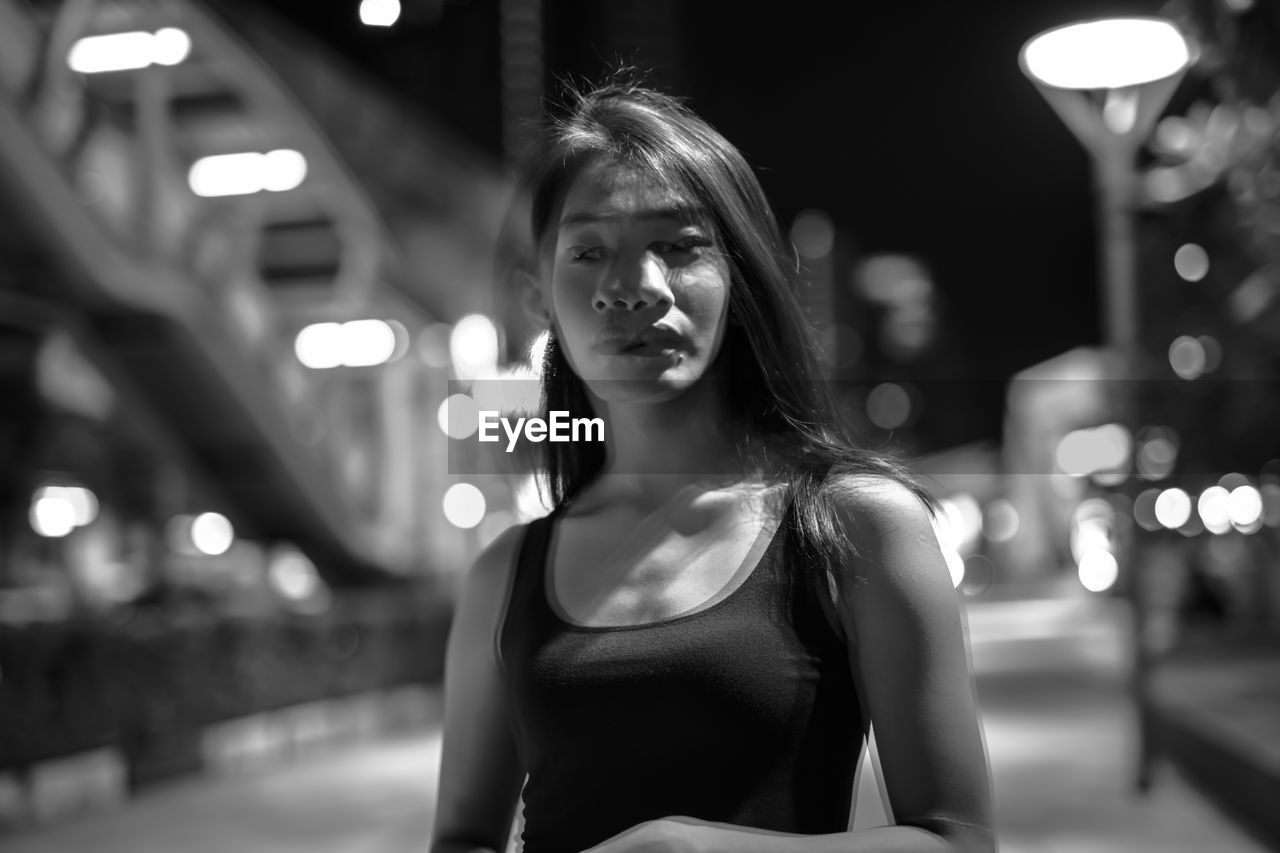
(1058, 723)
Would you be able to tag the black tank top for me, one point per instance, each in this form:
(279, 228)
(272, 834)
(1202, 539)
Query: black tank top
(741, 712)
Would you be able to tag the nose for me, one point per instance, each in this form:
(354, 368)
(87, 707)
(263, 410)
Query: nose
(634, 286)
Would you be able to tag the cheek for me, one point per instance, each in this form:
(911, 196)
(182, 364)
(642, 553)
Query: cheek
(709, 303)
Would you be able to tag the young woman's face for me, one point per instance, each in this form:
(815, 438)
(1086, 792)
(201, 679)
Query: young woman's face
(639, 292)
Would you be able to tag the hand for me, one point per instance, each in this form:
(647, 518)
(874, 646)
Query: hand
(667, 835)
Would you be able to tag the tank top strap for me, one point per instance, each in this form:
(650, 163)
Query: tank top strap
(525, 588)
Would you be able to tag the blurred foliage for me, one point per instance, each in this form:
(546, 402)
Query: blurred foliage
(73, 686)
(1213, 180)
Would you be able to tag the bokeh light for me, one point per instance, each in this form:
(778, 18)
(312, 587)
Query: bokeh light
(319, 345)
(366, 343)
(1244, 508)
(1106, 54)
(247, 173)
(1098, 571)
(379, 13)
(888, 405)
(1213, 505)
(1173, 508)
(1157, 453)
(52, 516)
(813, 234)
(1083, 452)
(128, 51)
(1191, 262)
(464, 505)
(1187, 357)
(473, 346)
(1000, 520)
(211, 533)
(458, 416)
(293, 575)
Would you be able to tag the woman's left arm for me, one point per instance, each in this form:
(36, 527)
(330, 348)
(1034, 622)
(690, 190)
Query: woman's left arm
(901, 616)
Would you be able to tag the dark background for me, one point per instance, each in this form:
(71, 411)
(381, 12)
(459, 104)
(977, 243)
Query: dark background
(910, 124)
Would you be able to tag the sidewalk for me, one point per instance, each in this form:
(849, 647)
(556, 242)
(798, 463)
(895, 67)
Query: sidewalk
(1218, 718)
(1059, 729)
(370, 797)
(1062, 736)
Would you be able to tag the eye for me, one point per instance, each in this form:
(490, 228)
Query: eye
(684, 245)
(586, 254)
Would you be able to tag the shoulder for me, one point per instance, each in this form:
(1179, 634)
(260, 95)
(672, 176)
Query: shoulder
(496, 563)
(488, 581)
(871, 507)
(890, 546)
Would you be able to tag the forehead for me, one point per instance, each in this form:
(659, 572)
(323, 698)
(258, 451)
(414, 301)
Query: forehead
(607, 189)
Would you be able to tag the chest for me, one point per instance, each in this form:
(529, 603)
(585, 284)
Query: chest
(615, 574)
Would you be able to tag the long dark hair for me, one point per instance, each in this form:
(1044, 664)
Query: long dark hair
(779, 398)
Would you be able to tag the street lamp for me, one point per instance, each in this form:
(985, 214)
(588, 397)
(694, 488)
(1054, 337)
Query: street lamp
(1109, 80)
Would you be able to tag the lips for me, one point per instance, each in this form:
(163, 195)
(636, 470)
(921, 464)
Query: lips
(651, 341)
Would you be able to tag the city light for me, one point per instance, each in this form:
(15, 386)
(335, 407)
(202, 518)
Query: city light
(356, 343)
(888, 405)
(1091, 528)
(129, 51)
(458, 416)
(319, 346)
(1191, 262)
(57, 510)
(247, 173)
(1083, 452)
(1244, 508)
(1187, 357)
(211, 533)
(1214, 508)
(464, 505)
(473, 346)
(1098, 571)
(1157, 453)
(1175, 135)
(1173, 508)
(52, 516)
(379, 13)
(293, 575)
(367, 343)
(813, 234)
(1000, 520)
(1120, 52)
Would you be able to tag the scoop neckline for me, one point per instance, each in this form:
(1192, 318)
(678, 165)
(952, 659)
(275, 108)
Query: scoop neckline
(764, 542)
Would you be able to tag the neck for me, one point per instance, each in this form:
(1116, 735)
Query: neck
(656, 449)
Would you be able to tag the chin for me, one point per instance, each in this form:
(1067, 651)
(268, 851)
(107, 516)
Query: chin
(643, 386)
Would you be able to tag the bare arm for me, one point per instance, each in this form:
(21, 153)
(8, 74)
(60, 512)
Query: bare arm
(900, 615)
(480, 772)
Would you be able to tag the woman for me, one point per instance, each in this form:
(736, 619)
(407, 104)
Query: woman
(685, 655)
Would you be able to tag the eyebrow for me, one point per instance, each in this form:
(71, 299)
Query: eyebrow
(682, 214)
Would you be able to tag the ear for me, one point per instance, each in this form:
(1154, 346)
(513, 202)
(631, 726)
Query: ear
(532, 298)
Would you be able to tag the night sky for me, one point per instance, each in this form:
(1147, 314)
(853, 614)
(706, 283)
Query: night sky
(910, 124)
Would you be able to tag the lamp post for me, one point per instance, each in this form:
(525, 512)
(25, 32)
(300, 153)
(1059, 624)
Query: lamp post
(1109, 80)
